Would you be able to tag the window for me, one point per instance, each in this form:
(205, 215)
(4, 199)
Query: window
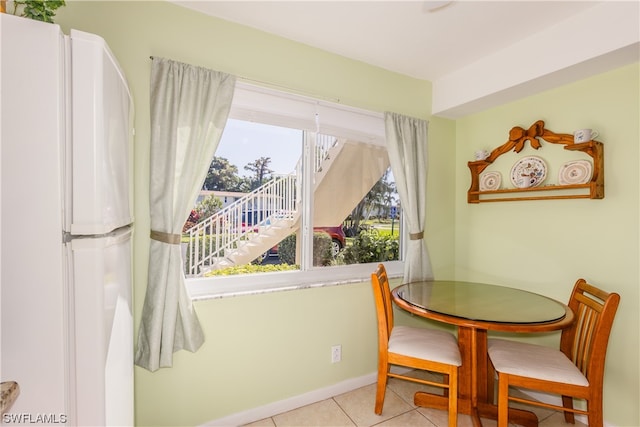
(313, 193)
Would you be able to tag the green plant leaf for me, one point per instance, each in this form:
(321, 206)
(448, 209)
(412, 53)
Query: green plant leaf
(39, 10)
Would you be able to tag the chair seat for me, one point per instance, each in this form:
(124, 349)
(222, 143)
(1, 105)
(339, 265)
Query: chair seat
(534, 361)
(429, 344)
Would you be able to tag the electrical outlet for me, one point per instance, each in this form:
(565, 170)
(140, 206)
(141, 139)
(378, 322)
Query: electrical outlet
(336, 353)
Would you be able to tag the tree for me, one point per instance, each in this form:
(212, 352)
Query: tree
(377, 201)
(382, 196)
(208, 206)
(222, 176)
(261, 171)
(244, 184)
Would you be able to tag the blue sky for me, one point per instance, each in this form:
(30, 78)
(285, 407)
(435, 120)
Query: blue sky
(243, 142)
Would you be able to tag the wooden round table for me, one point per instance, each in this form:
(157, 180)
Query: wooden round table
(476, 308)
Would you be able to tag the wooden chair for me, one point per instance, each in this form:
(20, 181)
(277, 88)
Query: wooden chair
(417, 348)
(576, 370)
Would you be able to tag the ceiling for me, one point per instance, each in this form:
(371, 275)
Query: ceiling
(415, 38)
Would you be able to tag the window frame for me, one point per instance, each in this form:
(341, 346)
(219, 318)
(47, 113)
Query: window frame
(274, 107)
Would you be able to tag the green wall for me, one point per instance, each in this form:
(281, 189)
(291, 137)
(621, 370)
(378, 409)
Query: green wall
(264, 348)
(547, 245)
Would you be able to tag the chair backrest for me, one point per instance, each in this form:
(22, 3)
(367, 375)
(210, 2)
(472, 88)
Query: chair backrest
(585, 342)
(384, 308)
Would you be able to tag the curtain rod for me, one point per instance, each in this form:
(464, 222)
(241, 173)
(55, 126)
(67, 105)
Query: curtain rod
(282, 87)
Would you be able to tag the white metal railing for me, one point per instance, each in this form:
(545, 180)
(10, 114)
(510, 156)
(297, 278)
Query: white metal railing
(323, 144)
(227, 229)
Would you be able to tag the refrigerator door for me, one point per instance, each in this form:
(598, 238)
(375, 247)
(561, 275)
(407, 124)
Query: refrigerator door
(100, 189)
(100, 280)
(33, 306)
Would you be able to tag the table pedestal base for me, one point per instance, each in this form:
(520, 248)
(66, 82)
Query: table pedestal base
(483, 410)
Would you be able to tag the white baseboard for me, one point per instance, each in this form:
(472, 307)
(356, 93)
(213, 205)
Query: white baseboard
(295, 402)
(275, 408)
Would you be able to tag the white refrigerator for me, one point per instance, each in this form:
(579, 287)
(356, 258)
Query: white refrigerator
(66, 199)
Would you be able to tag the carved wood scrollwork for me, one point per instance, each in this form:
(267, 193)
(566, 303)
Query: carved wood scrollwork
(518, 136)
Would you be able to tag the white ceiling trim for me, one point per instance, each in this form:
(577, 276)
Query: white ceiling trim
(598, 39)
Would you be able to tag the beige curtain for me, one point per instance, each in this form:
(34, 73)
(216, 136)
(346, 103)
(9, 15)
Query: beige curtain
(407, 148)
(189, 109)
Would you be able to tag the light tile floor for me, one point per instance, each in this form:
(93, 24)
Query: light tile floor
(355, 408)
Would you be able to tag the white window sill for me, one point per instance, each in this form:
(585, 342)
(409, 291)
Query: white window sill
(252, 284)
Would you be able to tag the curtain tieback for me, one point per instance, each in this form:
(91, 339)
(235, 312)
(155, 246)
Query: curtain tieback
(416, 236)
(161, 236)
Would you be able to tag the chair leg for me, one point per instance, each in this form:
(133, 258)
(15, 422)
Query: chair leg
(453, 397)
(567, 402)
(445, 380)
(491, 382)
(381, 387)
(594, 407)
(503, 400)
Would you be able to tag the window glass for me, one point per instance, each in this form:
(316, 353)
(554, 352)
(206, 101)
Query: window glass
(351, 192)
(283, 199)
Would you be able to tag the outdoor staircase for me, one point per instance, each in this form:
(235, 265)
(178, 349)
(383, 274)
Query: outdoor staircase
(257, 242)
(245, 229)
(336, 193)
(249, 227)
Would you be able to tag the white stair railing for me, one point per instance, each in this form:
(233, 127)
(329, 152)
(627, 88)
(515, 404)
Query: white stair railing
(324, 143)
(235, 225)
(238, 223)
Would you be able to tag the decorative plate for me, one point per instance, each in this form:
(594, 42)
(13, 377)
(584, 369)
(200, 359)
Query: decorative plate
(490, 181)
(528, 172)
(576, 172)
